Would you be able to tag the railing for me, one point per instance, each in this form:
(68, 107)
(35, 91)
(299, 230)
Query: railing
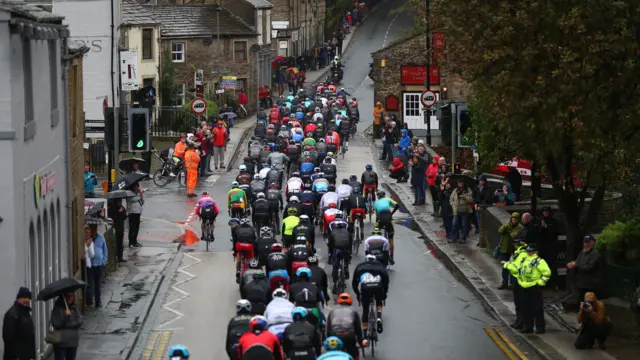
(171, 121)
(621, 282)
(95, 157)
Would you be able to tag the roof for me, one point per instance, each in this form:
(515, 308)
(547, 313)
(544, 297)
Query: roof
(30, 12)
(185, 21)
(260, 4)
(396, 43)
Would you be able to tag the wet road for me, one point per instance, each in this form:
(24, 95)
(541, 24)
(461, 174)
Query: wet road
(428, 315)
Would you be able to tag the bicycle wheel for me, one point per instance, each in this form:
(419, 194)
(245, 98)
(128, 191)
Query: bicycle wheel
(373, 333)
(182, 178)
(160, 179)
(356, 242)
(207, 234)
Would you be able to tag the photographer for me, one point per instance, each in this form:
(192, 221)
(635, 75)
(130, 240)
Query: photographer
(595, 325)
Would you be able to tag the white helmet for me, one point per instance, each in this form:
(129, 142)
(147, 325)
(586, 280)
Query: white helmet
(243, 305)
(370, 258)
(243, 168)
(256, 177)
(260, 195)
(294, 199)
(336, 58)
(280, 293)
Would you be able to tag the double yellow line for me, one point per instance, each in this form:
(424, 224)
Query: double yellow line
(157, 352)
(506, 345)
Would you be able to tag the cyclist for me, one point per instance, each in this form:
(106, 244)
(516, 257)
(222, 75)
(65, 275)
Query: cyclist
(294, 203)
(356, 205)
(236, 200)
(290, 222)
(264, 171)
(345, 131)
(317, 174)
(274, 197)
(259, 344)
(277, 268)
(244, 239)
(305, 228)
(298, 254)
(321, 146)
(307, 199)
(355, 184)
(238, 325)
(328, 216)
(253, 268)
(319, 278)
(307, 295)
(344, 191)
(243, 178)
(370, 280)
(320, 187)
(257, 186)
(274, 175)
(207, 209)
(330, 197)
(277, 160)
(378, 245)
(385, 208)
(258, 292)
(294, 185)
(301, 340)
(344, 323)
(278, 312)
(264, 244)
(178, 352)
(339, 244)
(369, 180)
(260, 213)
(306, 170)
(329, 169)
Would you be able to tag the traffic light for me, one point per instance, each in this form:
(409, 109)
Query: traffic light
(457, 169)
(445, 124)
(139, 136)
(109, 128)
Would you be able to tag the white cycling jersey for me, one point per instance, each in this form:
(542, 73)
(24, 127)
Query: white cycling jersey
(328, 198)
(385, 247)
(279, 312)
(318, 117)
(263, 173)
(294, 184)
(343, 191)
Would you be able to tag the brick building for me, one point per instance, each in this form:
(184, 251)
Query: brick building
(399, 77)
(301, 24)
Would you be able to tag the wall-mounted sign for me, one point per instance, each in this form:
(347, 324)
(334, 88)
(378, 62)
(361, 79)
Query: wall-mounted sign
(198, 77)
(392, 103)
(294, 35)
(129, 70)
(417, 75)
(228, 82)
(43, 184)
(279, 25)
(283, 44)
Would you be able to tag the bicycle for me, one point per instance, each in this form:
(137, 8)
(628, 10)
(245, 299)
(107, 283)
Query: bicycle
(357, 230)
(162, 177)
(341, 286)
(369, 203)
(209, 226)
(371, 328)
(343, 149)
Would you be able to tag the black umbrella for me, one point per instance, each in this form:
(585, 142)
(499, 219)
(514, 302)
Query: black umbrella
(126, 165)
(468, 180)
(119, 194)
(59, 287)
(95, 209)
(128, 180)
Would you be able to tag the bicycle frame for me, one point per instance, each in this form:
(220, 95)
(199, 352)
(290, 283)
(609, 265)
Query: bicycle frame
(373, 333)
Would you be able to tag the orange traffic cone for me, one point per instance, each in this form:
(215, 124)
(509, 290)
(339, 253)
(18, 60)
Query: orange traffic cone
(189, 238)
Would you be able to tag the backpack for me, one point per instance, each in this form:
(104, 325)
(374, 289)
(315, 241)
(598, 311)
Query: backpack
(254, 151)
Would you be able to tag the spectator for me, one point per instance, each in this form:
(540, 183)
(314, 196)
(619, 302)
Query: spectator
(386, 140)
(378, 113)
(301, 78)
(95, 245)
(594, 323)
(118, 214)
(292, 82)
(242, 100)
(483, 197)
(205, 155)
(549, 243)
(90, 181)
(635, 305)
(405, 126)
(508, 233)
(398, 171)
(531, 231)
(18, 331)
(588, 267)
(66, 320)
(134, 208)
(323, 55)
(505, 196)
(219, 144)
(432, 174)
(418, 165)
(446, 210)
(356, 17)
(403, 147)
(461, 199)
(444, 168)
(514, 178)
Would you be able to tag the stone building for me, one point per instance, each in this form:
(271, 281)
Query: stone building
(399, 76)
(300, 23)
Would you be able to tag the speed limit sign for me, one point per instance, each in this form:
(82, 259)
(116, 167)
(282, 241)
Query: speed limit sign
(428, 98)
(198, 106)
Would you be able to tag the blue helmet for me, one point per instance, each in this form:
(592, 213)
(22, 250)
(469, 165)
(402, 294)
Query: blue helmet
(180, 351)
(303, 270)
(299, 313)
(333, 343)
(368, 167)
(234, 221)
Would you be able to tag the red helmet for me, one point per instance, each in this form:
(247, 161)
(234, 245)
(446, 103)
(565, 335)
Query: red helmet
(277, 247)
(332, 205)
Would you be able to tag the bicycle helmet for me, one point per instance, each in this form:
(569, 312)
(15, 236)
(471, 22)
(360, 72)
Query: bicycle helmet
(242, 168)
(299, 313)
(333, 343)
(244, 221)
(253, 264)
(301, 240)
(353, 178)
(280, 293)
(368, 167)
(381, 193)
(294, 199)
(256, 177)
(243, 306)
(316, 170)
(303, 271)
(320, 127)
(258, 323)
(296, 174)
(332, 205)
(345, 181)
(277, 247)
(332, 188)
(234, 221)
(304, 218)
(339, 214)
(376, 231)
(260, 195)
(345, 299)
(292, 211)
(370, 258)
(179, 352)
(234, 185)
(205, 193)
(265, 231)
(329, 154)
(292, 142)
(312, 260)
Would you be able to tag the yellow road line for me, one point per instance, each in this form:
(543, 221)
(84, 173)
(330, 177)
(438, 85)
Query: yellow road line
(151, 344)
(162, 347)
(511, 344)
(498, 342)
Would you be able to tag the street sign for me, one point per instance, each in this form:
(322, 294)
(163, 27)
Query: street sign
(198, 77)
(129, 70)
(198, 106)
(428, 98)
(283, 44)
(228, 82)
(220, 91)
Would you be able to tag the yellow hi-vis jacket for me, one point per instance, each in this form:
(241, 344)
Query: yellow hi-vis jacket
(534, 271)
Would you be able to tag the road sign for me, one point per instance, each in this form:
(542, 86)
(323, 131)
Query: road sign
(198, 106)
(428, 98)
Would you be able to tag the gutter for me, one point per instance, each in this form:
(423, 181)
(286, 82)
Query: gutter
(67, 146)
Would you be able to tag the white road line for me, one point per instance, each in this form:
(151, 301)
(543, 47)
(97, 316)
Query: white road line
(386, 35)
(183, 293)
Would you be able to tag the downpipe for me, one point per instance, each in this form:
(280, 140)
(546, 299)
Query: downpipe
(67, 146)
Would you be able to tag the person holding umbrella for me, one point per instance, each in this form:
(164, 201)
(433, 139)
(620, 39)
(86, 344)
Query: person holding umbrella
(134, 208)
(95, 263)
(118, 214)
(66, 322)
(18, 332)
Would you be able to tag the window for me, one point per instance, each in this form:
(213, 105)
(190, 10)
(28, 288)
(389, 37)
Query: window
(182, 91)
(411, 104)
(147, 44)
(147, 82)
(28, 81)
(240, 51)
(241, 84)
(177, 52)
(53, 73)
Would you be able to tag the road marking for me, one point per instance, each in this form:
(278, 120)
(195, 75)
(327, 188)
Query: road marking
(498, 337)
(212, 179)
(151, 345)
(183, 293)
(386, 35)
(164, 340)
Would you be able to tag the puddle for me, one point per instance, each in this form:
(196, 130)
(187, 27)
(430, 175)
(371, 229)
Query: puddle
(410, 223)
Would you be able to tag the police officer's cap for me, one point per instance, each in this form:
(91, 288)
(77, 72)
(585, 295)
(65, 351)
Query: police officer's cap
(532, 247)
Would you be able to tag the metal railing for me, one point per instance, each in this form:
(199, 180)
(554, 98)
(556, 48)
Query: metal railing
(171, 121)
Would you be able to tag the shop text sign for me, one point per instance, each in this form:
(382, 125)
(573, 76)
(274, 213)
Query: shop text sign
(417, 75)
(43, 184)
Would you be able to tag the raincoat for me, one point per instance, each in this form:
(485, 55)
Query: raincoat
(191, 163)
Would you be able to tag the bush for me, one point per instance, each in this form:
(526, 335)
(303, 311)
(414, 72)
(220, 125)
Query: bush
(620, 242)
(212, 107)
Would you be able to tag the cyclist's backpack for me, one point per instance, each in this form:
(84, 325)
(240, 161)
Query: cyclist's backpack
(264, 249)
(273, 176)
(254, 151)
(273, 197)
(322, 148)
(261, 207)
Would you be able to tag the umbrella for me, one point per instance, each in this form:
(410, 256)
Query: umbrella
(119, 194)
(229, 115)
(468, 180)
(128, 180)
(293, 70)
(279, 58)
(126, 165)
(59, 287)
(95, 209)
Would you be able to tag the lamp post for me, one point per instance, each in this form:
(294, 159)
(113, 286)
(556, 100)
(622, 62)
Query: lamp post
(427, 82)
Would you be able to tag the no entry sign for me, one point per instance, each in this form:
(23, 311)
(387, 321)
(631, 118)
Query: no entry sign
(428, 98)
(198, 106)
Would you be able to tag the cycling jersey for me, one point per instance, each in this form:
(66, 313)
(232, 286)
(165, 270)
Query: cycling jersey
(263, 173)
(334, 224)
(356, 186)
(320, 185)
(318, 117)
(289, 223)
(369, 177)
(206, 202)
(297, 137)
(294, 184)
(376, 242)
(335, 355)
(237, 198)
(309, 141)
(306, 168)
(384, 205)
(328, 198)
(344, 191)
(278, 314)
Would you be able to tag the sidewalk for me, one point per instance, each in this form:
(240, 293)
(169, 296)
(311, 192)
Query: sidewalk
(482, 274)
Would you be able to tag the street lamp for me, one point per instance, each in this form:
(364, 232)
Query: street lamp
(427, 82)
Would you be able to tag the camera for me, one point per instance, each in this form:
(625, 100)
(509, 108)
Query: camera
(587, 305)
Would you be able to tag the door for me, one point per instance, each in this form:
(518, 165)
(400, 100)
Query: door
(412, 110)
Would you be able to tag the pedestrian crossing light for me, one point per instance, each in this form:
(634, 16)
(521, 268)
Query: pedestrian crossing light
(138, 133)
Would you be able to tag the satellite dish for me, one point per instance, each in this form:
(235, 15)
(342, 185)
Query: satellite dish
(254, 48)
(207, 42)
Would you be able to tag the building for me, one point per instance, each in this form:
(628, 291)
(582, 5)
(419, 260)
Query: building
(298, 26)
(35, 191)
(400, 73)
(101, 73)
(75, 117)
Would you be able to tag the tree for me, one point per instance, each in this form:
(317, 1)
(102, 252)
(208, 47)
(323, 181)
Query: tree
(556, 82)
(169, 93)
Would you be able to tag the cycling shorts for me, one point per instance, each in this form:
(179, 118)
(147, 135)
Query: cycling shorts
(297, 265)
(280, 275)
(207, 213)
(369, 188)
(357, 211)
(237, 212)
(368, 294)
(246, 249)
(384, 219)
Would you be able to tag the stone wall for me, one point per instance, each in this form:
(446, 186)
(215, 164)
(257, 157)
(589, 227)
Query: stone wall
(210, 59)
(281, 11)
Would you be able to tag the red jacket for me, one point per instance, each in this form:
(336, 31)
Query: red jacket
(397, 165)
(432, 172)
(274, 114)
(311, 127)
(219, 136)
(242, 98)
(261, 93)
(262, 346)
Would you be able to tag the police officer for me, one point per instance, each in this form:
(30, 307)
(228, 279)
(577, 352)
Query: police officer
(532, 276)
(513, 266)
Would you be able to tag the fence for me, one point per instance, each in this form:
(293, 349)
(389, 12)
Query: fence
(95, 157)
(171, 121)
